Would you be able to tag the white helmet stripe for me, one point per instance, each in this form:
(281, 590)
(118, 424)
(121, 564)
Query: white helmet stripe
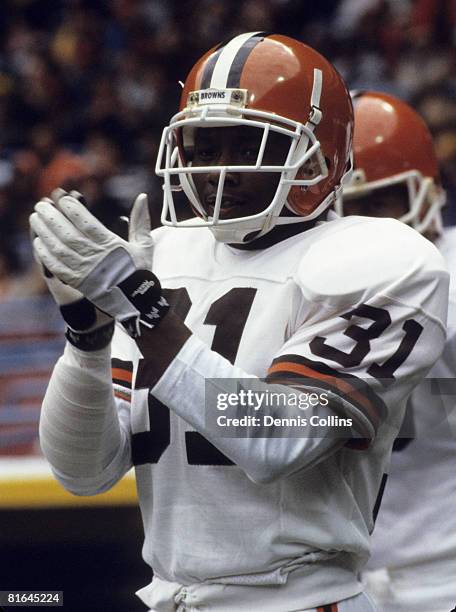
(226, 58)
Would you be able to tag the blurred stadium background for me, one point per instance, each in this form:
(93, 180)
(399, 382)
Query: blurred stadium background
(85, 90)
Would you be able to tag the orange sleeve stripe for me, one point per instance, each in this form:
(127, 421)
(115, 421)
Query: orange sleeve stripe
(119, 374)
(334, 381)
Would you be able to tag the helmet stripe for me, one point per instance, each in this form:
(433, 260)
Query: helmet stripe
(230, 60)
(209, 68)
(234, 77)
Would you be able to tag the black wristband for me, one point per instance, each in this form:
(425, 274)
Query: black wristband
(91, 341)
(79, 315)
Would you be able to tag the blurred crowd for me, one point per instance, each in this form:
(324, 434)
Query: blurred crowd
(86, 87)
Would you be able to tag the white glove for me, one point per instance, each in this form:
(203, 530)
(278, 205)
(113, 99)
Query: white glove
(110, 272)
(88, 327)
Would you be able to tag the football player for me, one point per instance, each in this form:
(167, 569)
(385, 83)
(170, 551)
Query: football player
(413, 563)
(260, 293)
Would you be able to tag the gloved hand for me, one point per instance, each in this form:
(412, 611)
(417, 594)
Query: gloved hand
(112, 273)
(88, 328)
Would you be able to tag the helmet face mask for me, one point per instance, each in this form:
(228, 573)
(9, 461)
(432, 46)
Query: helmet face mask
(266, 108)
(302, 148)
(422, 199)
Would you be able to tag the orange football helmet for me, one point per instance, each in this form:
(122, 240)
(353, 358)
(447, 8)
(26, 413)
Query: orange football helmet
(392, 145)
(276, 84)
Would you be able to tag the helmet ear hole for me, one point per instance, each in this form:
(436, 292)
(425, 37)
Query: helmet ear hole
(309, 170)
(297, 201)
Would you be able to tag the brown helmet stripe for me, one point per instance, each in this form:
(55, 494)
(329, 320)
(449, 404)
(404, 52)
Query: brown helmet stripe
(234, 76)
(209, 68)
(224, 67)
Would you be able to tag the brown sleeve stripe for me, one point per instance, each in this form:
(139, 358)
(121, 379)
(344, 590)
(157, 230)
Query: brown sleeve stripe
(358, 444)
(122, 372)
(349, 387)
(329, 608)
(337, 383)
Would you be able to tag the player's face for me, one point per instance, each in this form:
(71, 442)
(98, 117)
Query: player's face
(388, 202)
(244, 193)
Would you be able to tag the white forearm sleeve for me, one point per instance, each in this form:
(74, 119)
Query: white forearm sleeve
(183, 389)
(81, 433)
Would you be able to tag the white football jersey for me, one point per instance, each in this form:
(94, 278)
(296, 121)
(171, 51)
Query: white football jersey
(415, 533)
(357, 306)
